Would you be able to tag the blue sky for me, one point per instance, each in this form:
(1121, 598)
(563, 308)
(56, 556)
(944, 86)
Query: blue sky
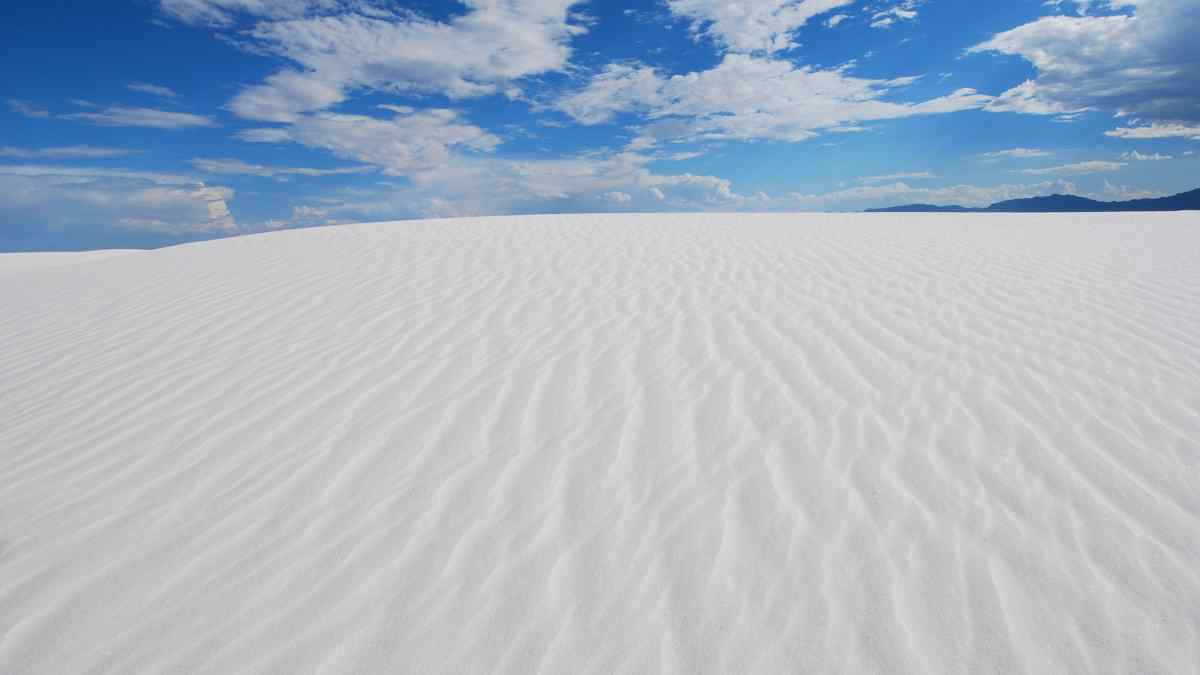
(159, 121)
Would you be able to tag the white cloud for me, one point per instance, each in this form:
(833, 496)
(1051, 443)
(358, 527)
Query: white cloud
(222, 12)
(284, 96)
(1157, 130)
(752, 25)
(239, 167)
(1027, 98)
(894, 194)
(619, 87)
(26, 110)
(152, 89)
(1135, 156)
(118, 116)
(1016, 153)
(484, 51)
(65, 197)
(621, 198)
(1125, 192)
(748, 97)
(905, 11)
(64, 152)
(465, 185)
(915, 175)
(89, 173)
(1078, 168)
(1142, 63)
(836, 20)
(406, 144)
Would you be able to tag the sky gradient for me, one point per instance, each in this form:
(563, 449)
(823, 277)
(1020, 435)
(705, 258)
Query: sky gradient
(133, 124)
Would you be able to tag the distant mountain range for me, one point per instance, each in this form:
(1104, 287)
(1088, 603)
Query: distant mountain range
(1184, 201)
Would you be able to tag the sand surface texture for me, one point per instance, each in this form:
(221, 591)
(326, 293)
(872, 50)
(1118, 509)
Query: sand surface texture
(20, 262)
(610, 444)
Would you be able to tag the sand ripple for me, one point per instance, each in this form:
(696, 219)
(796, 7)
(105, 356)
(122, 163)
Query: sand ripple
(581, 444)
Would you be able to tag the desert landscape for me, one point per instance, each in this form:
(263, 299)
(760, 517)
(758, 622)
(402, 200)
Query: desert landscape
(599, 337)
(721, 443)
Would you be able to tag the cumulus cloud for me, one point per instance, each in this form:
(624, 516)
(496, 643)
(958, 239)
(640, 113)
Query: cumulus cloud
(619, 87)
(1143, 60)
(750, 97)
(1125, 192)
(65, 197)
(336, 47)
(284, 96)
(752, 25)
(465, 185)
(406, 144)
(1078, 168)
(570, 183)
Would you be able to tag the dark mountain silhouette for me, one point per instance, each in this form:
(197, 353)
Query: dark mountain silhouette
(1184, 201)
(923, 208)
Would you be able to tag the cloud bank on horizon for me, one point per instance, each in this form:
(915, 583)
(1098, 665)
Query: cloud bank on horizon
(197, 118)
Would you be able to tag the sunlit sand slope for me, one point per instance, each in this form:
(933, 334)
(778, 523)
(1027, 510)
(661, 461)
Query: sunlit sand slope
(610, 444)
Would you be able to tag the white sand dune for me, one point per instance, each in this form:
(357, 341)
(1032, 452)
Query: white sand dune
(609, 444)
(10, 262)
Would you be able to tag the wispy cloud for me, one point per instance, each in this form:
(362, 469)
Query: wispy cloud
(27, 110)
(119, 116)
(750, 97)
(1157, 130)
(239, 167)
(905, 11)
(64, 152)
(916, 175)
(406, 144)
(1079, 168)
(153, 89)
(889, 194)
(1135, 156)
(1015, 153)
